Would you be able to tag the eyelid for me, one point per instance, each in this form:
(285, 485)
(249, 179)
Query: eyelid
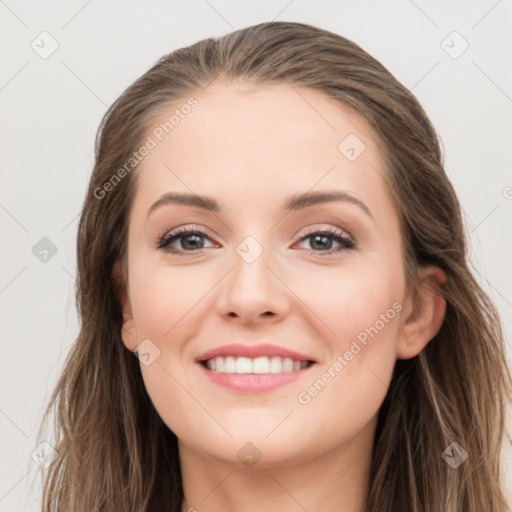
(185, 228)
(196, 227)
(182, 230)
(341, 236)
(330, 231)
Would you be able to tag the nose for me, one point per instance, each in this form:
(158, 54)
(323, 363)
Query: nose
(253, 292)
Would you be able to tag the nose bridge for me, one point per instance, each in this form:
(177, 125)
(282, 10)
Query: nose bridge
(251, 288)
(251, 273)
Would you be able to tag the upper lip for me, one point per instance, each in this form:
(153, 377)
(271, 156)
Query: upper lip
(252, 351)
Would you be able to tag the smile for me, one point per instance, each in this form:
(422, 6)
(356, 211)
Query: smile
(259, 365)
(252, 368)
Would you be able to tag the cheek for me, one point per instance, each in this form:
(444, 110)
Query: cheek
(166, 303)
(169, 307)
(353, 302)
(163, 299)
(363, 311)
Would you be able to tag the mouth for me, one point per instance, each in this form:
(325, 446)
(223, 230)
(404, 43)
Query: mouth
(253, 368)
(259, 366)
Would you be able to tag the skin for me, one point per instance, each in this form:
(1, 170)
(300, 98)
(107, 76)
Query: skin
(250, 148)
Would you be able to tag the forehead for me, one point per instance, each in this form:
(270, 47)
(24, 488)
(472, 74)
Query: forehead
(260, 143)
(263, 119)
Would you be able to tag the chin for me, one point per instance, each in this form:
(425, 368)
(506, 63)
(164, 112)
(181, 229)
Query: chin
(258, 453)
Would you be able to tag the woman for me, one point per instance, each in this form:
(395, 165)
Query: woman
(270, 230)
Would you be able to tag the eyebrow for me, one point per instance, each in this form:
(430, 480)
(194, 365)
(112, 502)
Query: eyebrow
(293, 203)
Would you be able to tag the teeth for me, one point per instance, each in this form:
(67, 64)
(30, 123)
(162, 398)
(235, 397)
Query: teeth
(229, 364)
(259, 365)
(287, 365)
(276, 365)
(219, 364)
(243, 365)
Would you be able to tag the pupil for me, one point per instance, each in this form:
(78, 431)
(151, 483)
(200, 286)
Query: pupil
(322, 237)
(185, 242)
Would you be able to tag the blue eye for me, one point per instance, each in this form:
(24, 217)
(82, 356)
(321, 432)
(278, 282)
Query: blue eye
(192, 240)
(324, 238)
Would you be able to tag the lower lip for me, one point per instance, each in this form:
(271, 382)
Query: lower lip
(253, 382)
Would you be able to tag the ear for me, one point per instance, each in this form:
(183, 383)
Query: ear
(128, 331)
(425, 310)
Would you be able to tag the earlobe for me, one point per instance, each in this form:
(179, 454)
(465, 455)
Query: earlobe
(128, 332)
(427, 312)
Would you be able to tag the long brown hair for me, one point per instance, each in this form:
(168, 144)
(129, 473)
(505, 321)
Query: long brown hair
(114, 453)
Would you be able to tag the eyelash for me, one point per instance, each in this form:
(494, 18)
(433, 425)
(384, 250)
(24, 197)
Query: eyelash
(346, 241)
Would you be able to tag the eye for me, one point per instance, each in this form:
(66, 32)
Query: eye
(189, 239)
(322, 241)
(192, 239)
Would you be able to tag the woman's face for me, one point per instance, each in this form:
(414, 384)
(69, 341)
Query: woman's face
(271, 269)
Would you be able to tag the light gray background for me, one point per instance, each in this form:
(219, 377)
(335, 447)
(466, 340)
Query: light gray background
(52, 107)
